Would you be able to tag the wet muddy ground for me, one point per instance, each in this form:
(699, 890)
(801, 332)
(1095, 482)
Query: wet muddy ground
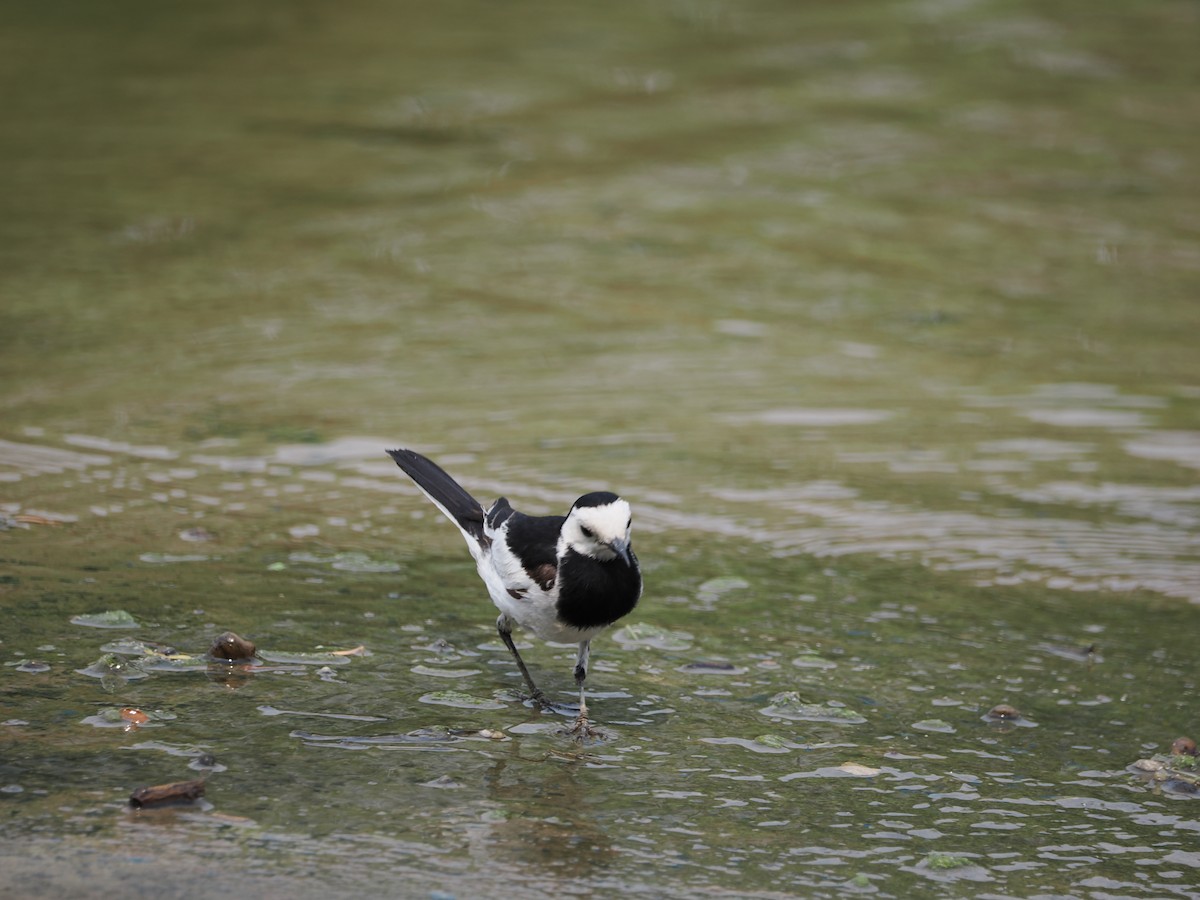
(770, 722)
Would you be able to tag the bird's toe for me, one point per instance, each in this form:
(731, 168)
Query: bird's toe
(582, 730)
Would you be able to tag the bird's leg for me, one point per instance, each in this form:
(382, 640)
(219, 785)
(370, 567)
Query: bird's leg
(582, 727)
(504, 626)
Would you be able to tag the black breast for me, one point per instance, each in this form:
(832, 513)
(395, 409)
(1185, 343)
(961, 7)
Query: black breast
(592, 593)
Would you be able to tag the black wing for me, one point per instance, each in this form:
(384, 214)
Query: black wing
(534, 541)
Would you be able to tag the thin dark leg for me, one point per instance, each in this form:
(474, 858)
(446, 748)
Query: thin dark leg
(505, 630)
(582, 727)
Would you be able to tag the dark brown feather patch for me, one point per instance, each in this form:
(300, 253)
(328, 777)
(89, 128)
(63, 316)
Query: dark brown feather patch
(544, 575)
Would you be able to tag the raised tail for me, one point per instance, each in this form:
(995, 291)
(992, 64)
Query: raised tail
(447, 494)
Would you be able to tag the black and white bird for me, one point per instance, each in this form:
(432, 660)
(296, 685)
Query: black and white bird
(565, 578)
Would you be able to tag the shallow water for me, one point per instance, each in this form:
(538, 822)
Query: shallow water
(881, 315)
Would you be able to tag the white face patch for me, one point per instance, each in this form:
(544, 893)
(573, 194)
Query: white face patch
(593, 530)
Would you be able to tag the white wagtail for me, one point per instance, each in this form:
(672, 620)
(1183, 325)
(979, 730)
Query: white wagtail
(565, 578)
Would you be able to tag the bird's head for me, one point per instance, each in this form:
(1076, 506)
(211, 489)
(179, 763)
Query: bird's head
(598, 526)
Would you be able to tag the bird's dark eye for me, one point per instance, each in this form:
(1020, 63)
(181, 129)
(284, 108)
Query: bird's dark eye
(587, 532)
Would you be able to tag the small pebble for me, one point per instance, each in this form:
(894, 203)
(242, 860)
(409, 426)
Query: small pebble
(1183, 746)
(232, 647)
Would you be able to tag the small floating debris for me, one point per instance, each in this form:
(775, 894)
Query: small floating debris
(232, 647)
(639, 635)
(1147, 765)
(206, 762)
(134, 647)
(176, 792)
(176, 663)
(228, 653)
(789, 705)
(1176, 772)
(937, 725)
(443, 647)
(229, 649)
(712, 668)
(360, 650)
(33, 666)
(1007, 716)
(133, 716)
(128, 718)
(775, 742)
(114, 667)
(460, 700)
(858, 770)
(111, 618)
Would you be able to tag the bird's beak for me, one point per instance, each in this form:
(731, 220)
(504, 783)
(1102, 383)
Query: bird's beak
(621, 548)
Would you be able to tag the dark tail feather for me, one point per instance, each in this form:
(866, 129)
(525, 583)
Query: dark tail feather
(449, 496)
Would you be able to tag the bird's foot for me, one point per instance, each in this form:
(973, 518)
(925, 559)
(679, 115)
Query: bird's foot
(582, 729)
